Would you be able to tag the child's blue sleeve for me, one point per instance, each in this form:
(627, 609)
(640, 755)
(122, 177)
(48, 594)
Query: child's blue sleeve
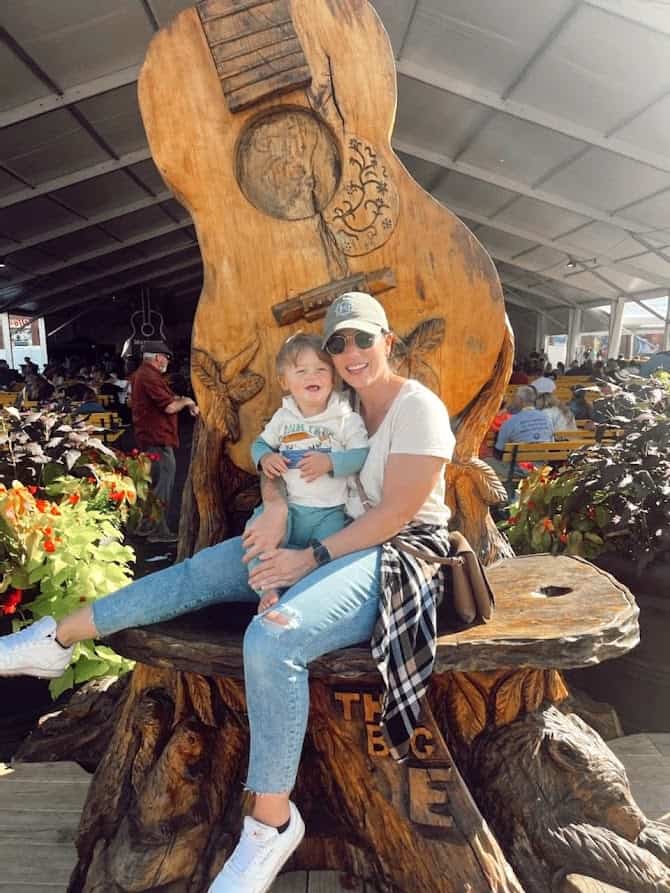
(346, 462)
(259, 448)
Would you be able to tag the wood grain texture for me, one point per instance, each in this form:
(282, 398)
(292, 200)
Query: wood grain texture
(588, 825)
(255, 259)
(255, 49)
(166, 803)
(595, 621)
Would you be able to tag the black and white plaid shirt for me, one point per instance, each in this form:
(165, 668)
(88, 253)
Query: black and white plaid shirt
(404, 638)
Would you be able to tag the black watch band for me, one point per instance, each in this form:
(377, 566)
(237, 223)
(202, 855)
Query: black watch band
(320, 552)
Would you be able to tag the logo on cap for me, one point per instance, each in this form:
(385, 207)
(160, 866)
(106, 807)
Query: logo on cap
(343, 308)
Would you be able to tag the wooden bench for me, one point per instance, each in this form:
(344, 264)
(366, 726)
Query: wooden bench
(166, 802)
(111, 422)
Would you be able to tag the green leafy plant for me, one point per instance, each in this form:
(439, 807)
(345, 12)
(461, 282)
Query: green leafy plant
(608, 497)
(61, 532)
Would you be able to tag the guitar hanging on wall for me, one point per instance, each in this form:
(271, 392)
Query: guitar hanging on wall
(271, 123)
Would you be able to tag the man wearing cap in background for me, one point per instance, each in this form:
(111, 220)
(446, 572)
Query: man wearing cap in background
(155, 408)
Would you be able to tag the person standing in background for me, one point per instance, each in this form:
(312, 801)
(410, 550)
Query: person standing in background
(155, 408)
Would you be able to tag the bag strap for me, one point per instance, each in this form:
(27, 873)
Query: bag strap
(423, 554)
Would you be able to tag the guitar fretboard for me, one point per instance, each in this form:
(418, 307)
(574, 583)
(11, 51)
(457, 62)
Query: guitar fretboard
(255, 48)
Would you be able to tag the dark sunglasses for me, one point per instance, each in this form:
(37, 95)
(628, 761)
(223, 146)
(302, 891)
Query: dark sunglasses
(337, 344)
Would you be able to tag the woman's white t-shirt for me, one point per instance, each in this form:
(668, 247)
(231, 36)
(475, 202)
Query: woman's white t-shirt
(416, 423)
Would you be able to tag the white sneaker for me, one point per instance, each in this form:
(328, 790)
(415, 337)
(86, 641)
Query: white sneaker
(34, 651)
(259, 856)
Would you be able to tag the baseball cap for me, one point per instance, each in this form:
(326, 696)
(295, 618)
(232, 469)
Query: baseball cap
(156, 347)
(355, 310)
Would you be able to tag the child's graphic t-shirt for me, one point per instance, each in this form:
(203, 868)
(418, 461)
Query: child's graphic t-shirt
(336, 429)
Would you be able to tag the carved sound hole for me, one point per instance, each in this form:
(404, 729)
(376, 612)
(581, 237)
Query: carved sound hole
(553, 591)
(288, 164)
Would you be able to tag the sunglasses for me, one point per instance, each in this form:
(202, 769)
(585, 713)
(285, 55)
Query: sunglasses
(337, 344)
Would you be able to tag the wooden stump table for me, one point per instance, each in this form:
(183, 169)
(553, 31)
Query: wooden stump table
(166, 803)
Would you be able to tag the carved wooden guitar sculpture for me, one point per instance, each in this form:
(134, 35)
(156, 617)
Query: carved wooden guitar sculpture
(271, 122)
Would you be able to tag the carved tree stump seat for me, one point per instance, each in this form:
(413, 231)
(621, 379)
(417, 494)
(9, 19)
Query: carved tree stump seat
(552, 612)
(166, 803)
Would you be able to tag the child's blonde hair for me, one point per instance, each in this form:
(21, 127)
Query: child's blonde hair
(294, 345)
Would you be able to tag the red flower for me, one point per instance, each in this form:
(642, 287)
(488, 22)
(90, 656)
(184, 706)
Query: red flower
(49, 546)
(153, 456)
(117, 496)
(134, 453)
(55, 510)
(32, 490)
(42, 504)
(513, 520)
(11, 601)
(47, 531)
(548, 523)
(73, 498)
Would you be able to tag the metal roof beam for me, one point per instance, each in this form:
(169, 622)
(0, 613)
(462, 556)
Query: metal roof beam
(98, 252)
(569, 251)
(549, 198)
(68, 97)
(112, 290)
(532, 115)
(80, 176)
(87, 222)
(111, 271)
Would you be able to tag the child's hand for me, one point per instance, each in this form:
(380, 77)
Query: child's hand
(268, 599)
(273, 465)
(314, 465)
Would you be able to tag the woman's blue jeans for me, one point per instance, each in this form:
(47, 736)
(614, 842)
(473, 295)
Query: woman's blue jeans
(331, 608)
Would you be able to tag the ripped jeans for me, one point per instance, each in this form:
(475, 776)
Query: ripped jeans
(333, 607)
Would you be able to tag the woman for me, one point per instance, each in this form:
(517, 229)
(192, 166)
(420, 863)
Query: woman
(560, 414)
(333, 588)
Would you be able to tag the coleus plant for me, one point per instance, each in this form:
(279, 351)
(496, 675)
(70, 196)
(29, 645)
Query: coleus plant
(608, 497)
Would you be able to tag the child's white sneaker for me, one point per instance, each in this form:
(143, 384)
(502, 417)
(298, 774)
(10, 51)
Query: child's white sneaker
(34, 651)
(259, 856)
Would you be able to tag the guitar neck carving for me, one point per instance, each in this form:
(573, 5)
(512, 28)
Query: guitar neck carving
(255, 48)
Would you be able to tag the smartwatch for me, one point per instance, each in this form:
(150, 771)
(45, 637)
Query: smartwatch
(321, 554)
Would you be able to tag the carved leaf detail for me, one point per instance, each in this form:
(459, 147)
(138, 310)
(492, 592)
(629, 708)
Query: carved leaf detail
(508, 699)
(466, 706)
(222, 417)
(423, 373)
(246, 386)
(410, 351)
(207, 369)
(229, 385)
(200, 695)
(533, 690)
(237, 363)
(489, 485)
(427, 336)
(555, 688)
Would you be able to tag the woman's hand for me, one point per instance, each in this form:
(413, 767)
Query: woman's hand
(281, 568)
(265, 532)
(314, 465)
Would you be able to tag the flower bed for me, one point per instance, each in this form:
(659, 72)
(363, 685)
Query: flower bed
(612, 497)
(65, 501)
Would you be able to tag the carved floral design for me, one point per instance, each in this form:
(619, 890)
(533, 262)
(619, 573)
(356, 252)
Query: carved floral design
(229, 384)
(410, 351)
(364, 211)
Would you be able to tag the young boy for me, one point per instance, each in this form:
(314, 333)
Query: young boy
(314, 442)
